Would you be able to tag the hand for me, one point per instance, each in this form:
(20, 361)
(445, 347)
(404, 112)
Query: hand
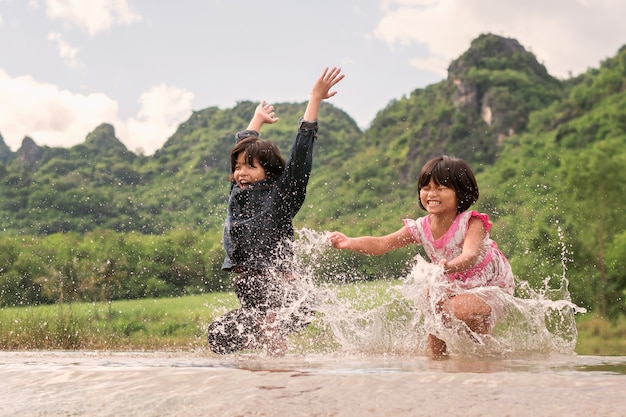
(338, 240)
(444, 264)
(265, 113)
(326, 81)
(321, 91)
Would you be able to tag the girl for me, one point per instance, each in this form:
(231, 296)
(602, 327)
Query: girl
(266, 193)
(456, 239)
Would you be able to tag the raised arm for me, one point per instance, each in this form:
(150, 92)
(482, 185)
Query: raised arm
(263, 114)
(370, 245)
(321, 91)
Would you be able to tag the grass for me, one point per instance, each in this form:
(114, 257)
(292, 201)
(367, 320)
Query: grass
(148, 324)
(599, 336)
(180, 324)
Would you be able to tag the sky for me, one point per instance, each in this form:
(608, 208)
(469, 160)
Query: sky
(66, 66)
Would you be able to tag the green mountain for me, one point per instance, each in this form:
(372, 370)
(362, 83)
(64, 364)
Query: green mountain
(5, 151)
(549, 155)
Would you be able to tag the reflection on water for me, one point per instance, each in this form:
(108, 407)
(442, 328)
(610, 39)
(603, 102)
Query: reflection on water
(323, 364)
(611, 368)
(564, 364)
(317, 364)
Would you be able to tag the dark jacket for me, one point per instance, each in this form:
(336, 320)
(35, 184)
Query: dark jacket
(258, 231)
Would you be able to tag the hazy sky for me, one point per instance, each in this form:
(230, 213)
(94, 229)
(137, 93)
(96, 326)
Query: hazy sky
(143, 65)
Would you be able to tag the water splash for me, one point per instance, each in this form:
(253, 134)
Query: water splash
(396, 315)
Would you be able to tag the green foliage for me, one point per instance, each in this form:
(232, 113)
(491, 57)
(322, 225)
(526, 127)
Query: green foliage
(97, 222)
(104, 265)
(167, 323)
(599, 336)
(559, 191)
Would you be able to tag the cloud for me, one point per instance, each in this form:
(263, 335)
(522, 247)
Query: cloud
(60, 118)
(92, 15)
(566, 35)
(49, 115)
(433, 63)
(66, 51)
(162, 109)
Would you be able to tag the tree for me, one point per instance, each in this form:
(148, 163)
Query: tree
(594, 181)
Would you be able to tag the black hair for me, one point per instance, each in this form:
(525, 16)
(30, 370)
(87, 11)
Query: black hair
(265, 151)
(454, 173)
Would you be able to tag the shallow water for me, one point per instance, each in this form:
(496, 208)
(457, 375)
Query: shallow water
(54, 383)
(524, 366)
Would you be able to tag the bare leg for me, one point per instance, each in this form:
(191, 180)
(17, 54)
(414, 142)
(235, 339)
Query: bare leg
(437, 346)
(470, 309)
(274, 342)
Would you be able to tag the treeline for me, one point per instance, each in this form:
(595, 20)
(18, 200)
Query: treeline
(104, 265)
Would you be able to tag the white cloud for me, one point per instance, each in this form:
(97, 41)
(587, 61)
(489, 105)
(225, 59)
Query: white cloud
(66, 51)
(436, 64)
(49, 115)
(60, 118)
(587, 33)
(92, 15)
(162, 109)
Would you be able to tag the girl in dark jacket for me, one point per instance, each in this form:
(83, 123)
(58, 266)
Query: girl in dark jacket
(266, 193)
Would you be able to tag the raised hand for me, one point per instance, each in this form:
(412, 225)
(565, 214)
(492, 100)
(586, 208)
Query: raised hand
(263, 114)
(326, 81)
(321, 91)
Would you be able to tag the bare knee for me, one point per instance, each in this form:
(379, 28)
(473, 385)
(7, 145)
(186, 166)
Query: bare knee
(470, 309)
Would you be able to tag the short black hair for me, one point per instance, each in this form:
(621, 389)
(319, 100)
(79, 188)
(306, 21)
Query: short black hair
(264, 150)
(454, 173)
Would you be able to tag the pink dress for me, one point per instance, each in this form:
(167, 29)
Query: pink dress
(491, 269)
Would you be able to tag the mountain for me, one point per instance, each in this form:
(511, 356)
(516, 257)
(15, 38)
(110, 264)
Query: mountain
(548, 153)
(489, 94)
(5, 151)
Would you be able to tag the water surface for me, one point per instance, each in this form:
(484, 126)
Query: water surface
(377, 365)
(204, 384)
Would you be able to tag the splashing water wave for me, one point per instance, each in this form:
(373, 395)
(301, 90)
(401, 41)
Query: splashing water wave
(396, 315)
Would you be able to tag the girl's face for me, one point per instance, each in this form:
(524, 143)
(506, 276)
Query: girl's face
(245, 174)
(438, 199)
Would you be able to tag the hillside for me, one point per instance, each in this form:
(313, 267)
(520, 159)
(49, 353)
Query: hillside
(490, 92)
(548, 154)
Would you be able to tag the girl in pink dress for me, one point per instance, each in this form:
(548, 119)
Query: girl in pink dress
(454, 238)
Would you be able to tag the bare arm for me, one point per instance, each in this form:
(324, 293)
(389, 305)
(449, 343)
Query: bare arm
(321, 91)
(370, 245)
(471, 248)
(263, 114)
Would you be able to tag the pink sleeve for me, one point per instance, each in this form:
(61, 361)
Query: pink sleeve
(411, 226)
(483, 218)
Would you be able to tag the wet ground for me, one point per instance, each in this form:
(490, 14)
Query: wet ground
(203, 384)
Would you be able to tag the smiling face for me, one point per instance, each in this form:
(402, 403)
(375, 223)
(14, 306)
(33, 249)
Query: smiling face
(246, 173)
(454, 174)
(438, 199)
(253, 159)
